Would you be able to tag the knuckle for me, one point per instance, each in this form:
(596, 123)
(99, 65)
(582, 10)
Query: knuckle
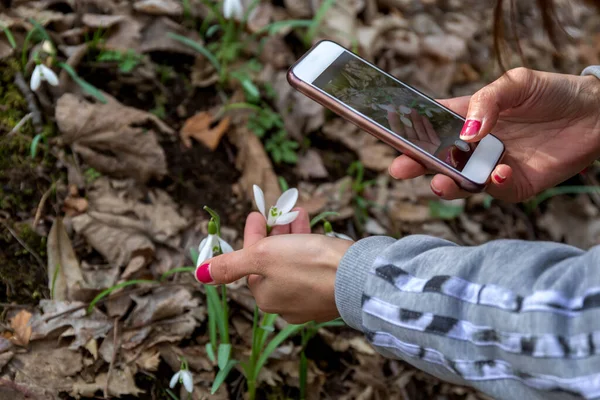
(485, 95)
(519, 74)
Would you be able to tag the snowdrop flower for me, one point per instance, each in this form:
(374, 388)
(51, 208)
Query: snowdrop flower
(212, 245)
(233, 9)
(42, 73)
(281, 213)
(183, 376)
(331, 233)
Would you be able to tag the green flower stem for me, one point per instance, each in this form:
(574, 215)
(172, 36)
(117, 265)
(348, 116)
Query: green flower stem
(225, 339)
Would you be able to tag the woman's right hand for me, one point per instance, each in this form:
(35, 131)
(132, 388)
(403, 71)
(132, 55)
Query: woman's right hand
(549, 123)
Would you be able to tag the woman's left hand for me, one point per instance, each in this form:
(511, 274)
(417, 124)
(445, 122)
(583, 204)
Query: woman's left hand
(292, 275)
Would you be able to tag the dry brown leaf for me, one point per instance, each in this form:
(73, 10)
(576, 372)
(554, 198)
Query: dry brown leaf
(200, 127)
(372, 152)
(5, 359)
(65, 279)
(6, 49)
(434, 77)
(47, 370)
(567, 219)
(159, 7)
(21, 328)
(125, 220)
(255, 165)
(92, 347)
(388, 32)
(159, 305)
(154, 38)
(122, 382)
(300, 114)
(101, 20)
(203, 73)
(310, 165)
(445, 47)
(109, 138)
(78, 324)
(75, 205)
(149, 360)
(334, 196)
(340, 22)
(126, 35)
(301, 8)
(409, 212)
(276, 52)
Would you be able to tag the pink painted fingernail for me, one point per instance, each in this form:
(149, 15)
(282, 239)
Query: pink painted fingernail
(436, 190)
(203, 274)
(498, 177)
(470, 129)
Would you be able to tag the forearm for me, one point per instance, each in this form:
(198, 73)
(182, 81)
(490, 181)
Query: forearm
(515, 319)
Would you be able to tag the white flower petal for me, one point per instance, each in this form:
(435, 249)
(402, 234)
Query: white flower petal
(188, 381)
(342, 236)
(406, 121)
(174, 380)
(233, 9)
(287, 200)
(259, 199)
(287, 218)
(36, 78)
(206, 250)
(405, 110)
(428, 113)
(225, 247)
(387, 107)
(49, 75)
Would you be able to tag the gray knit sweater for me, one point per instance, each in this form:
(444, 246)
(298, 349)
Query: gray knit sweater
(515, 319)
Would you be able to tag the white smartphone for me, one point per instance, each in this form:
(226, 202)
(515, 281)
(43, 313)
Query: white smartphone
(395, 113)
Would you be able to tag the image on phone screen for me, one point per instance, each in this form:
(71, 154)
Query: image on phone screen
(396, 107)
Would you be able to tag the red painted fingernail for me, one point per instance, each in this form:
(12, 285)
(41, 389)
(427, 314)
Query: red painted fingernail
(203, 274)
(470, 129)
(436, 190)
(498, 177)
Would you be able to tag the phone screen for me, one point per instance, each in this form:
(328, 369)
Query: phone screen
(397, 107)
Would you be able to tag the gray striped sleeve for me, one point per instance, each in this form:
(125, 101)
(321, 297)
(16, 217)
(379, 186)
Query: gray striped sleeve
(592, 70)
(515, 319)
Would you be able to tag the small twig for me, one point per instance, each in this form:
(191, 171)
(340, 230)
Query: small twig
(114, 355)
(18, 126)
(40, 207)
(25, 245)
(36, 115)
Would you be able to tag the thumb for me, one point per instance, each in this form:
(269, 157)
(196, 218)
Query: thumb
(226, 268)
(508, 91)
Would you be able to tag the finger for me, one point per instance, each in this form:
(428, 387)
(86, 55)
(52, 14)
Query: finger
(255, 230)
(460, 105)
(418, 126)
(280, 230)
(411, 134)
(508, 91)
(395, 123)
(404, 167)
(502, 180)
(227, 268)
(445, 188)
(301, 224)
(433, 137)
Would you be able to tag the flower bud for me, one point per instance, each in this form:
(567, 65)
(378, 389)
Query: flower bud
(327, 226)
(212, 227)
